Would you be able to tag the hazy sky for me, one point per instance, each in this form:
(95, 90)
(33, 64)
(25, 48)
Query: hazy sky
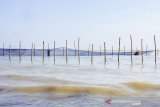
(94, 21)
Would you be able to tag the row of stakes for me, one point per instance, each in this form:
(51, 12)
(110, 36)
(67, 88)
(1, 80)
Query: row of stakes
(33, 51)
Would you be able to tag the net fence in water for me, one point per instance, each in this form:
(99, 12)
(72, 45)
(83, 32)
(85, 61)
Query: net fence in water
(62, 52)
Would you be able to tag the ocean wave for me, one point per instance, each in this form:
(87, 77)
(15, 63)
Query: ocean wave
(122, 89)
(143, 86)
(38, 79)
(69, 89)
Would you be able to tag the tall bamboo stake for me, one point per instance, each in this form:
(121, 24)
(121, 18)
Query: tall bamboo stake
(3, 49)
(48, 51)
(54, 52)
(32, 52)
(104, 52)
(131, 49)
(92, 55)
(74, 48)
(20, 51)
(78, 52)
(146, 49)
(66, 53)
(142, 50)
(155, 49)
(119, 49)
(43, 53)
(9, 52)
(63, 51)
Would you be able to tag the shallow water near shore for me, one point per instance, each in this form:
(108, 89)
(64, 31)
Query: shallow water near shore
(34, 84)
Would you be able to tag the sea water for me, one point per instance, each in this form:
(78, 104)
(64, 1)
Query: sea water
(48, 84)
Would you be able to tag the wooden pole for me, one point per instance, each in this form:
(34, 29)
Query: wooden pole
(131, 49)
(54, 52)
(146, 49)
(78, 52)
(63, 51)
(3, 49)
(100, 50)
(43, 53)
(32, 52)
(155, 49)
(104, 52)
(66, 53)
(9, 52)
(20, 51)
(119, 49)
(142, 50)
(92, 55)
(74, 48)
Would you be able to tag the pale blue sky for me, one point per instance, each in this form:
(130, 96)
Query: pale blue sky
(94, 21)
